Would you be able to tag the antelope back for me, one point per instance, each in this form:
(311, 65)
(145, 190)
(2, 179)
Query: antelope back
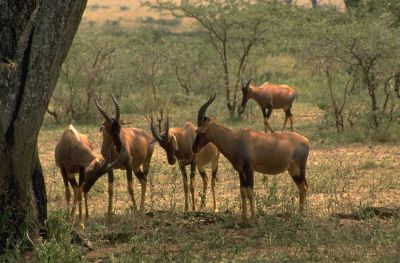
(138, 147)
(73, 149)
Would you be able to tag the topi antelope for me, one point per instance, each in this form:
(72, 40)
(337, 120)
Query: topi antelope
(177, 143)
(74, 154)
(252, 151)
(138, 149)
(269, 97)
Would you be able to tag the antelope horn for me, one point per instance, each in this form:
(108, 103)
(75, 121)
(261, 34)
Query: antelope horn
(102, 111)
(154, 130)
(167, 128)
(107, 165)
(242, 82)
(107, 159)
(203, 109)
(111, 165)
(117, 108)
(247, 83)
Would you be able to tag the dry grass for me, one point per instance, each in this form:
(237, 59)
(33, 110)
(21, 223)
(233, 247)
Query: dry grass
(345, 181)
(128, 12)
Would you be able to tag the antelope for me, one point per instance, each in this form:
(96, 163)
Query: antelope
(252, 151)
(74, 154)
(177, 143)
(138, 150)
(270, 96)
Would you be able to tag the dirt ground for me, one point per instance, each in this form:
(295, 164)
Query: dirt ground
(353, 200)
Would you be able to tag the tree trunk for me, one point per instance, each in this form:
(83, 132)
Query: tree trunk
(35, 38)
(314, 3)
(374, 105)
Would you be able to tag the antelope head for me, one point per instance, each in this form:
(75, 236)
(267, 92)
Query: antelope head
(110, 125)
(166, 140)
(245, 91)
(203, 123)
(99, 167)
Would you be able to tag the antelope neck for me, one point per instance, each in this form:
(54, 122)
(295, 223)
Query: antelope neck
(224, 138)
(256, 94)
(87, 156)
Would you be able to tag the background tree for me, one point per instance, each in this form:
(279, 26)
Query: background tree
(85, 71)
(231, 36)
(357, 58)
(35, 37)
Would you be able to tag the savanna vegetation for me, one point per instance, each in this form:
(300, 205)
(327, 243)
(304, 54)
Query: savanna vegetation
(343, 63)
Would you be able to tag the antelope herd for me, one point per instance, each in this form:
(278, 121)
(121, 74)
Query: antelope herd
(131, 149)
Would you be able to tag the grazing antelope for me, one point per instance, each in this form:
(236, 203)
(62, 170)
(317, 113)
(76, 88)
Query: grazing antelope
(269, 97)
(252, 151)
(74, 154)
(138, 149)
(177, 143)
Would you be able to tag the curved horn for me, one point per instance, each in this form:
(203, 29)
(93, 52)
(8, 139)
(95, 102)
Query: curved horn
(167, 128)
(111, 165)
(242, 82)
(117, 108)
(154, 130)
(107, 165)
(247, 83)
(107, 159)
(203, 109)
(102, 111)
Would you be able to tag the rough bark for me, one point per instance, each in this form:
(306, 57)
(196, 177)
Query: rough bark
(35, 38)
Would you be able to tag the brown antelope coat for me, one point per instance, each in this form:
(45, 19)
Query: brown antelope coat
(177, 143)
(271, 96)
(74, 154)
(252, 151)
(137, 148)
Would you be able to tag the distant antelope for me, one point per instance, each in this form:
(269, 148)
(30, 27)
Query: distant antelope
(270, 96)
(252, 151)
(138, 150)
(74, 154)
(177, 143)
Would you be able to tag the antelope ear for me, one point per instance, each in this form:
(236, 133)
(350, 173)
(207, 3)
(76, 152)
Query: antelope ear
(101, 128)
(174, 142)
